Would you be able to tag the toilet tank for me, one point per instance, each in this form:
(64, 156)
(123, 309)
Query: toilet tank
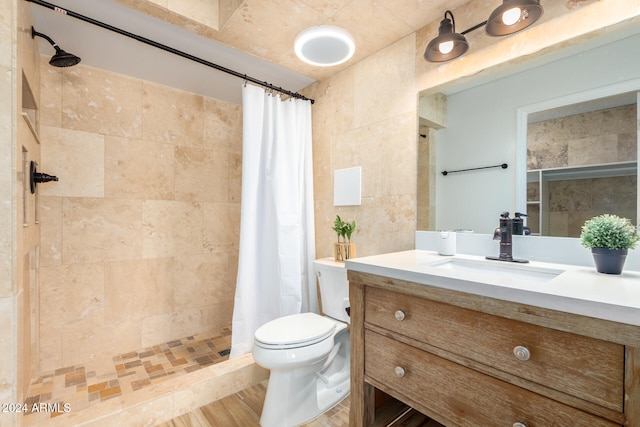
(334, 288)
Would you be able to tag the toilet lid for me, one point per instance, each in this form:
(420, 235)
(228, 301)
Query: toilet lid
(295, 330)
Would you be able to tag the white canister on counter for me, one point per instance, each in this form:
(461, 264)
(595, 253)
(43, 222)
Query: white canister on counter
(447, 243)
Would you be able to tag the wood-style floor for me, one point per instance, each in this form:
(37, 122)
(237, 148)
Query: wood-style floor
(243, 410)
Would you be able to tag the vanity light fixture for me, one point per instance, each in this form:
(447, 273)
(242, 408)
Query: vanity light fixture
(513, 16)
(449, 44)
(324, 45)
(510, 17)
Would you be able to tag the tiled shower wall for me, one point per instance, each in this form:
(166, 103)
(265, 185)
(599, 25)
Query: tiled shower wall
(597, 137)
(140, 235)
(605, 136)
(19, 232)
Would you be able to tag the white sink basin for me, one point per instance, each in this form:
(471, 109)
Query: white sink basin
(511, 272)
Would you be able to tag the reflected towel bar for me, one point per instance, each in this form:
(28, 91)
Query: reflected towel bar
(503, 166)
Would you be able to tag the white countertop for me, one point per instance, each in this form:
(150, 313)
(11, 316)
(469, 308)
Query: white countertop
(578, 290)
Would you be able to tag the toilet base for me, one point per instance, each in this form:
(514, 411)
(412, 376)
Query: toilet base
(310, 401)
(297, 396)
(330, 397)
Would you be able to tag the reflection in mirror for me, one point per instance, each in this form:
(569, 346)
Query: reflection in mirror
(581, 162)
(574, 113)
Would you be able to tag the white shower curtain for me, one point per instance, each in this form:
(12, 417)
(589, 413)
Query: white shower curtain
(277, 240)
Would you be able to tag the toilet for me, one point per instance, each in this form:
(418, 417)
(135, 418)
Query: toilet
(307, 354)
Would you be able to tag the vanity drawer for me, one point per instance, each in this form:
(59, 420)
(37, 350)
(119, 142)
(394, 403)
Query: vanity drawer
(460, 394)
(584, 367)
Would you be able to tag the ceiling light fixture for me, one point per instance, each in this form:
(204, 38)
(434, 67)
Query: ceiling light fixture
(449, 44)
(324, 46)
(513, 16)
(510, 17)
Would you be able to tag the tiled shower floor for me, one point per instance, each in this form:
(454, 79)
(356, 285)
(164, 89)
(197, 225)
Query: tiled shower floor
(81, 386)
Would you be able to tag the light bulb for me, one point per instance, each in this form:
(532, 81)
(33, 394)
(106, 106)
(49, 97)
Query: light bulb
(511, 16)
(445, 47)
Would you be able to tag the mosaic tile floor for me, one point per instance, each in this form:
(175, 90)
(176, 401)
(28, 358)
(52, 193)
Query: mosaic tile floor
(81, 386)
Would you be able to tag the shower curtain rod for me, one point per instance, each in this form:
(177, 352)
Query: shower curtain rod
(169, 49)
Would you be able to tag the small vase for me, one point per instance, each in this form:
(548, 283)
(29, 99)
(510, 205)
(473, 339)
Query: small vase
(609, 261)
(343, 251)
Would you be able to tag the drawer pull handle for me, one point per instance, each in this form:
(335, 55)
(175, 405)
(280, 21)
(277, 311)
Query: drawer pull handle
(399, 314)
(399, 372)
(519, 424)
(521, 353)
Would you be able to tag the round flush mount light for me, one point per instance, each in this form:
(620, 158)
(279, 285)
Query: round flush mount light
(324, 45)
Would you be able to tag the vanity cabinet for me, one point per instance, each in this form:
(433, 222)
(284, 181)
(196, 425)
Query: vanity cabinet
(468, 360)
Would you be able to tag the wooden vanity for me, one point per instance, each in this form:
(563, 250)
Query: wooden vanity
(465, 359)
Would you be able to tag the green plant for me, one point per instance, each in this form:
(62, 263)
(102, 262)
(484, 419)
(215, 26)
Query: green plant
(609, 231)
(343, 229)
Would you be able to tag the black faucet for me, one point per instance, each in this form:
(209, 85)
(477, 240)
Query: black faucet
(504, 233)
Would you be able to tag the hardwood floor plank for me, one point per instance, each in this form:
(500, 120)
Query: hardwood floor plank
(338, 416)
(191, 419)
(243, 409)
(230, 412)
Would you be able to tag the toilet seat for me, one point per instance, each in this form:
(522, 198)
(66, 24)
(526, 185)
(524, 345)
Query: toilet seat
(294, 331)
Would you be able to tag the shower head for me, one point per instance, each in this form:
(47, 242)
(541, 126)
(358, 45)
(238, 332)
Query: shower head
(60, 58)
(63, 59)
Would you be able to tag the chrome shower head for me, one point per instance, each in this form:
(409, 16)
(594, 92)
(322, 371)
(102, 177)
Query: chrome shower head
(60, 58)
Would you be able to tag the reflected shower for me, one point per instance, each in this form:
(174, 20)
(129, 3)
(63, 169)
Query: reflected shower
(60, 58)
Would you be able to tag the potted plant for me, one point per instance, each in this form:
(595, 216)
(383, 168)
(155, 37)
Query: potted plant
(609, 237)
(343, 249)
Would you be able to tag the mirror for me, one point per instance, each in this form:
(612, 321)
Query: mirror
(488, 124)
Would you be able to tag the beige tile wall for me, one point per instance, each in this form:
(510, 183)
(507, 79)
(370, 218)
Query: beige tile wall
(7, 141)
(366, 116)
(140, 235)
(8, 300)
(19, 231)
